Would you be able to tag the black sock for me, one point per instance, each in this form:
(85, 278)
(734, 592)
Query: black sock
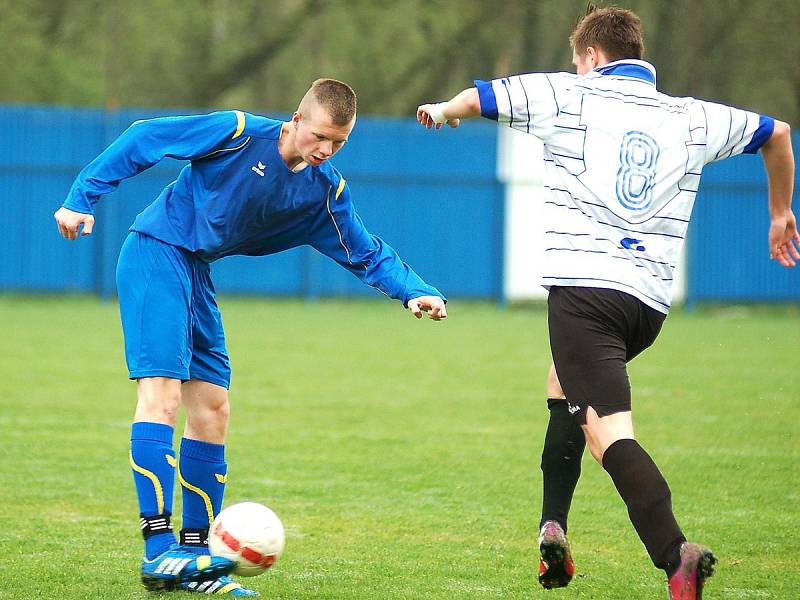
(649, 501)
(561, 462)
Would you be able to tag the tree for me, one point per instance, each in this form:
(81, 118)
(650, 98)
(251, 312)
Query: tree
(262, 55)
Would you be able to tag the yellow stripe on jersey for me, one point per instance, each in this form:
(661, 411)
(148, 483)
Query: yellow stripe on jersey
(201, 493)
(152, 477)
(330, 212)
(340, 189)
(239, 124)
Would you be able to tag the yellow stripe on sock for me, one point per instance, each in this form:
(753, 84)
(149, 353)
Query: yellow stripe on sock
(199, 492)
(239, 124)
(221, 478)
(152, 477)
(171, 460)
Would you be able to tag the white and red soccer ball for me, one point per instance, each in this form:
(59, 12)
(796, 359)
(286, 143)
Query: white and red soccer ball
(249, 534)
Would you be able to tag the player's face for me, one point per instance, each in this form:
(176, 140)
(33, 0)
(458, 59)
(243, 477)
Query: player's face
(583, 61)
(317, 137)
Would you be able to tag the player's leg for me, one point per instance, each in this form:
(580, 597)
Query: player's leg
(152, 459)
(593, 334)
(202, 468)
(603, 432)
(640, 484)
(561, 468)
(649, 501)
(561, 455)
(202, 471)
(154, 290)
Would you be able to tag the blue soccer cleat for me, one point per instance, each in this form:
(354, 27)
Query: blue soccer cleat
(222, 585)
(176, 566)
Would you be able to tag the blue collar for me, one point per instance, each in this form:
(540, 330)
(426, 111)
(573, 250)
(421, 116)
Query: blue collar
(629, 67)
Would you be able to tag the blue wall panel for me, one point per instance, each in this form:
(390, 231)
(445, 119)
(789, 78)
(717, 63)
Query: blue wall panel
(38, 148)
(433, 196)
(728, 252)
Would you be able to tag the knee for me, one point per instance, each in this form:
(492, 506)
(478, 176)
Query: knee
(554, 390)
(158, 403)
(220, 411)
(595, 449)
(214, 413)
(601, 433)
(598, 440)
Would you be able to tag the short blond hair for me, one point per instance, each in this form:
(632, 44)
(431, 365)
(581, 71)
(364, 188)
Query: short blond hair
(616, 31)
(336, 97)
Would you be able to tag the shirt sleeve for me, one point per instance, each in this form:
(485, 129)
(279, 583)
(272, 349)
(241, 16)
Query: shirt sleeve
(525, 102)
(340, 234)
(144, 144)
(731, 131)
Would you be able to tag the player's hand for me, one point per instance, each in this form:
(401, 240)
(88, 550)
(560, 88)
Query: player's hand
(70, 221)
(784, 239)
(433, 305)
(426, 120)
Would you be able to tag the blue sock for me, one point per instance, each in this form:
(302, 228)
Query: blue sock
(153, 462)
(202, 471)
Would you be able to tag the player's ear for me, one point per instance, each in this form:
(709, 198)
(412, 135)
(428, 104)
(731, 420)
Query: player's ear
(296, 117)
(592, 53)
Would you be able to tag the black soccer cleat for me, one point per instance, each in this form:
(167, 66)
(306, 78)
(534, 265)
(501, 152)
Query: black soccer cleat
(697, 565)
(556, 567)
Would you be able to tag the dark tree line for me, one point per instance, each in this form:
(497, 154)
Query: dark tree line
(261, 55)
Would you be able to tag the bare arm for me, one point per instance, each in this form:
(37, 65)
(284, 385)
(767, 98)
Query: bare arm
(779, 162)
(464, 105)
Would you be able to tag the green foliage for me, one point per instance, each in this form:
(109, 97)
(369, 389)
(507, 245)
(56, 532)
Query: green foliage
(263, 55)
(401, 455)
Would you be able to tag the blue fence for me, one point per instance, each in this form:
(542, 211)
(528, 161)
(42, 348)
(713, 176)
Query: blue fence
(728, 252)
(434, 198)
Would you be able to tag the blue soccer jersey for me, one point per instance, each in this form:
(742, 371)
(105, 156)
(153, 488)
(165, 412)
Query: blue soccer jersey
(237, 196)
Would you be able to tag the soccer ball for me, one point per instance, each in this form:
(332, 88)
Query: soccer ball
(249, 534)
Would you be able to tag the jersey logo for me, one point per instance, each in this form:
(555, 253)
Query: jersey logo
(638, 157)
(259, 169)
(572, 409)
(632, 244)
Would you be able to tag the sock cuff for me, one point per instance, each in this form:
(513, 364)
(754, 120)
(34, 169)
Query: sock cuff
(619, 452)
(556, 402)
(205, 451)
(157, 432)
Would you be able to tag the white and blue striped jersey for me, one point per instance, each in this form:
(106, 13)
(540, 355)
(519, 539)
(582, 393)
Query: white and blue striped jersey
(622, 167)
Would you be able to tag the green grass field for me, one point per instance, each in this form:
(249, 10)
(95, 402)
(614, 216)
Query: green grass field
(402, 456)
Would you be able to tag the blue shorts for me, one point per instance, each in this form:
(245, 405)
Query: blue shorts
(170, 319)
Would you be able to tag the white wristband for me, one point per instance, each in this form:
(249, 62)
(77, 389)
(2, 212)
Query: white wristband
(436, 112)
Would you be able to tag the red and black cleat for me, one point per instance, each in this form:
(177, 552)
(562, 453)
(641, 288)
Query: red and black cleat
(697, 565)
(556, 568)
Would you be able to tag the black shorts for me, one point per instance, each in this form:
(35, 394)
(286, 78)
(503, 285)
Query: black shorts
(594, 332)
